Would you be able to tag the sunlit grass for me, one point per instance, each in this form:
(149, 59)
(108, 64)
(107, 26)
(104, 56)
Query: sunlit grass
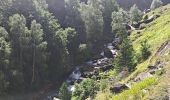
(135, 92)
(156, 33)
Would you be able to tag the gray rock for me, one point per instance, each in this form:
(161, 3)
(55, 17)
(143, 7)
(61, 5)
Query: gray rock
(118, 88)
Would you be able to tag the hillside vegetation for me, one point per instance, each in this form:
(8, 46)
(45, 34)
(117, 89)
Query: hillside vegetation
(84, 50)
(154, 86)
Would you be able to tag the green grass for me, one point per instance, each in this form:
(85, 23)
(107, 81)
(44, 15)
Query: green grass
(156, 33)
(135, 92)
(140, 68)
(108, 74)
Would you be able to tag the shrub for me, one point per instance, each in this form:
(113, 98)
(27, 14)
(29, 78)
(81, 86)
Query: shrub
(84, 53)
(103, 85)
(64, 94)
(87, 88)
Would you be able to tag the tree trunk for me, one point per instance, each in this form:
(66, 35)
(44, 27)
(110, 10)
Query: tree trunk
(33, 64)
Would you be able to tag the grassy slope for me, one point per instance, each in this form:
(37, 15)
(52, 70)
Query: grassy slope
(156, 33)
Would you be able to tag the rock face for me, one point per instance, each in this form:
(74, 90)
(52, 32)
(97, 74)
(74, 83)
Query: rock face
(118, 88)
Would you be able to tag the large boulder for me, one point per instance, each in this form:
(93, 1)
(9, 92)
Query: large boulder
(150, 67)
(118, 88)
(108, 53)
(107, 67)
(150, 19)
(136, 25)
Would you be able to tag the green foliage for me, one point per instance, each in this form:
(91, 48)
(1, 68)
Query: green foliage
(159, 72)
(5, 52)
(135, 14)
(73, 19)
(38, 48)
(125, 58)
(83, 53)
(35, 49)
(155, 4)
(118, 20)
(93, 19)
(64, 94)
(135, 92)
(87, 88)
(108, 6)
(103, 85)
(145, 52)
(20, 37)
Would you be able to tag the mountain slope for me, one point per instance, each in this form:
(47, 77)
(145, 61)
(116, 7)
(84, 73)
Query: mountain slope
(150, 80)
(146, 82)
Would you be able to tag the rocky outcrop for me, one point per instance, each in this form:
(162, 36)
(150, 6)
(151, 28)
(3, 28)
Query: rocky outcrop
(150, 19)
(118, 88)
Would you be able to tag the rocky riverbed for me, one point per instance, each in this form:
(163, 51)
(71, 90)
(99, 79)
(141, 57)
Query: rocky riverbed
(89, 69)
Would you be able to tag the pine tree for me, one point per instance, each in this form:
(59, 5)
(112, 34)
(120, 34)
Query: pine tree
(92, 17)
(5, 51)
(108, 6)
(64, 94)
(56, 39)
(118, 20)
(125, 56)
(135, 14)
(38, 48)
(145, 50)
(73, 19)
(20, 37)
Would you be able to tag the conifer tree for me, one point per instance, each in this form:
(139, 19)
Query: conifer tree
(145, 50)
(108, 6)
(135, 14)
(20, 37)
(38, 48)
(125, 56)
(92, 17)
(5, 51)
(119, 19)
(64, 94)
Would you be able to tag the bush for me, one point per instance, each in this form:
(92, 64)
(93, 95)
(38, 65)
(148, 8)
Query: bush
(84, 53)
(103, 85)
(87, 88)
(64, 94)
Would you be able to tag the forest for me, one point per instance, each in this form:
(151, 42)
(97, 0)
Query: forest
(43, 41)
